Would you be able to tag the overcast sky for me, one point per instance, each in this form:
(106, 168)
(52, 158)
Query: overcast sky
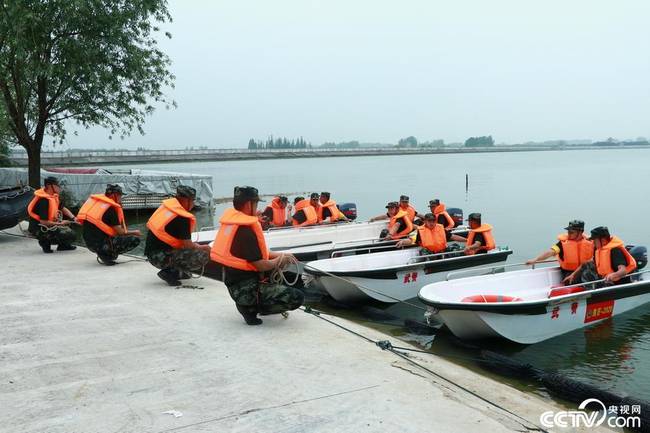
(376, 71)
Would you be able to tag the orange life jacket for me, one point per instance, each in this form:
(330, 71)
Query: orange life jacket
(279, 213)
(53, 205)
(168, 210)
(434, 240)
(575, 252)
(603, 258)
(486, 230)
(410, 210)
(394, 220)
(334, 211)
(230, 222)
(93, 211)
(309, 211)
(441, 209)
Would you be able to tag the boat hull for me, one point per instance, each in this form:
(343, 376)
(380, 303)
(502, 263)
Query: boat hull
(395, 285)
(535, 314)
(13, 206)
(529, 329)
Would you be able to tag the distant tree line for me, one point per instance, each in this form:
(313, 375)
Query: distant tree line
(483, 141)
(278, 143)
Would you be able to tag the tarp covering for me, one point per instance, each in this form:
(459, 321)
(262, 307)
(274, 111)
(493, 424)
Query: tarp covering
(134, 182)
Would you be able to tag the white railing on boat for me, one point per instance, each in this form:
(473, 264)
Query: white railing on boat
(493, 269)
(431, 257)
(377, 245)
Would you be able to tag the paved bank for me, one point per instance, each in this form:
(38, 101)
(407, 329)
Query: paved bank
(86, 348)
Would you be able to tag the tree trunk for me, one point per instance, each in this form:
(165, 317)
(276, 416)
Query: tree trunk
(34, 164)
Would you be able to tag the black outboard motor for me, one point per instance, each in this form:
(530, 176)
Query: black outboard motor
(349, 210)
(640, 254)
(456, 214)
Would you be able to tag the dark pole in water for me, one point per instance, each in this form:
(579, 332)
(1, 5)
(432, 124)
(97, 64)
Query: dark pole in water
(466, 182)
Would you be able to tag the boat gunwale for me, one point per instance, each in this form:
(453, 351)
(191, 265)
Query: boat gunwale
(394, 269)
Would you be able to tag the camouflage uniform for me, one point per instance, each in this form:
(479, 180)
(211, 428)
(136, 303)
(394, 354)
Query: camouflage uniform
(184, 261)
(254, 296)
(114, 246)
(57, 235)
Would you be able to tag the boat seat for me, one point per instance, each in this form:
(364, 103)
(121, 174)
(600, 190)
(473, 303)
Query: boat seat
(559, 290)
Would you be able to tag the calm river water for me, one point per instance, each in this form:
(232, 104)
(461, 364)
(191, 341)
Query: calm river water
(528, 197)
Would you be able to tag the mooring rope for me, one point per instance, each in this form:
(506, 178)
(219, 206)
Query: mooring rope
(386, 345)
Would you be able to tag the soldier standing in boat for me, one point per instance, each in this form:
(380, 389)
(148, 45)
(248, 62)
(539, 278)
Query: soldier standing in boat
(572, 249)
(49, 220)
(169, 244)
(104, 226)
(241, 249)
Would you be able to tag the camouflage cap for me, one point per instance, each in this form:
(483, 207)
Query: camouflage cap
(314, 196)
(50, 180)
(475, 216)
(185, 191)
(434, 202)
(392, 204)
(429, 217)
(575, 225)
(113, 189)
(246, 193)
(600, 232)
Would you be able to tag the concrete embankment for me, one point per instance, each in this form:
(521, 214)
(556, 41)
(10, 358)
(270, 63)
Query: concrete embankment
(87, 348)
(99, 158)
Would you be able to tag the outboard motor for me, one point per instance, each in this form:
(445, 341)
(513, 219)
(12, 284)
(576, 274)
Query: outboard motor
(456, 214)
(349, 210)
(640, 254)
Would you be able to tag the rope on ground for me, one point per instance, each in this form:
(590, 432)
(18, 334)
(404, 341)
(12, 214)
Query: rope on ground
(386, 345)
(401, 301)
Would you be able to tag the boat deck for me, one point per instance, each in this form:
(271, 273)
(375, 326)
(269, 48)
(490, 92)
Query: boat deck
(86, 348)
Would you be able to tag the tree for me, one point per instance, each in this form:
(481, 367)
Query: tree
(251, 144)
(482, 141)
(95, 63)
(408, 142)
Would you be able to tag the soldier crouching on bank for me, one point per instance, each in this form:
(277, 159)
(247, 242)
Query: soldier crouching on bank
(241, 249)
(169, 244)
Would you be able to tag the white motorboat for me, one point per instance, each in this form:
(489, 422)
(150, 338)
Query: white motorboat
(322, 241)
(389, 276)
(528, 306)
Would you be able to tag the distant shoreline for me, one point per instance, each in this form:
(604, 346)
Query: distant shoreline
(98, 158)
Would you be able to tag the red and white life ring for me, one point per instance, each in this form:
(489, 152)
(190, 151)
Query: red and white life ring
(490, 298)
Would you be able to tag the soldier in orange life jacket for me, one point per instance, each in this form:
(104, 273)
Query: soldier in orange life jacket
(169, 244)
(241, 249)
(328, 212)
(404, 204)
(480, 239)
(612, 262)
(104, 227)
(572, 249)
(305, 213)
(47, 218)
(440, 211)
(432, 236)
(399, 223)
(275, 214)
